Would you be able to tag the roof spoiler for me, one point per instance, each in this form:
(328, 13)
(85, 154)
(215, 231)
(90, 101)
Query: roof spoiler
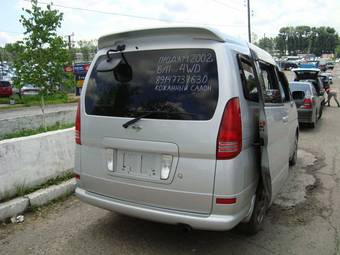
(194, 32)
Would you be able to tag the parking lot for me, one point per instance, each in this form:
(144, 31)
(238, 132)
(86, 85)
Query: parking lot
(304, 219)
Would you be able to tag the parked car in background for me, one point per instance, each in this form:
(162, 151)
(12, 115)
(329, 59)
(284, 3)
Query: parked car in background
(5, 89)
(330, 65)
(311, 75)
(288, 65)
(329, 75)
(310, 64)
(325, 80)
(308, 104)
(29, 90)
(167, 132)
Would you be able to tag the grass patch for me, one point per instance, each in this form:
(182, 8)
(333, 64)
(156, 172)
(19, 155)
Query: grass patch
(27, 101)
(22, 189)
(41, 208)
(28, 132)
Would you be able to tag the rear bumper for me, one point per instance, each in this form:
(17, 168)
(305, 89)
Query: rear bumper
(305, 116)
(196, 221)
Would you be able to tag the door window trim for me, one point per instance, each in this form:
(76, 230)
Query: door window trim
(266, 104)
(247, 59)
(285, 86)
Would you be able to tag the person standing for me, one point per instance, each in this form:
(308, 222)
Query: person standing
(331, 93)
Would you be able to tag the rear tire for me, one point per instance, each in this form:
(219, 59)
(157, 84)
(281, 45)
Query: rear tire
(255, 223)
(321, 111)
(293, 159)
(313, 124)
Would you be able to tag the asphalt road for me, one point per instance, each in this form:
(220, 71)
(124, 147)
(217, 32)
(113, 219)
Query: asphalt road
(304, 219)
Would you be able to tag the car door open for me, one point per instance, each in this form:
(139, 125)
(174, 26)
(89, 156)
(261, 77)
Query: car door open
(273, 131)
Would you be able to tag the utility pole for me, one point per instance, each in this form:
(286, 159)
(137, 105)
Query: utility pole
(69, 41)
(249, 31)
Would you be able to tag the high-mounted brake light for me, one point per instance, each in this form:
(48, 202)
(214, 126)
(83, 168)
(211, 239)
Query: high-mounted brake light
(307, 103)
(229, 139)
(77, 126)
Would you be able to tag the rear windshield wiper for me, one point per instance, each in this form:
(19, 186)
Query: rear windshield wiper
(149, 113)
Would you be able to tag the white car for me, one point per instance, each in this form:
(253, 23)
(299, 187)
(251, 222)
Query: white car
(184, 126)
(29, 90)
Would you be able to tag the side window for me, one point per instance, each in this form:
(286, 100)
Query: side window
(249, 80)
(271, 89)
(284, 86)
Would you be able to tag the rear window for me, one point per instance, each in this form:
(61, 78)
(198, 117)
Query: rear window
(181, 83)
(306, 75)
(299, 87)
(5, 84)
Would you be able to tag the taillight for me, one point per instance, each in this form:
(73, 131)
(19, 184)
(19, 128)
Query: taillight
(307, 103)
(229, 139)
(226, 201)
(77, 125)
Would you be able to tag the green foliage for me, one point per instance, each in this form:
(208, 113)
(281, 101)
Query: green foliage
(87, 49)
(10, 52)
(305, 39)
(28, 132)
(57, 98)
(43, 53)
(26, 101)
(23, 189)
(266, 43)
(337, 51)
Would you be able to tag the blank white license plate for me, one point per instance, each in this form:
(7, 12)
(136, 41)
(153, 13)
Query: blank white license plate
(138, 164)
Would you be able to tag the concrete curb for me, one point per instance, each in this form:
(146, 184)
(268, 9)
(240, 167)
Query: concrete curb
(40, 197)
(32, 160)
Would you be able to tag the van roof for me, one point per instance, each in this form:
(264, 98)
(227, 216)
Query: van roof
(194, 32)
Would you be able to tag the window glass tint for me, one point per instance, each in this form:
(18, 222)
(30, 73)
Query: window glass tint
(284, 87)
(296, 86)
(181, 83)
(249, 80)
(298, 95)
(4, 84)
(271, 88)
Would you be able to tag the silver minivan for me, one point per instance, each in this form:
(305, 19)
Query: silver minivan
(184, 125)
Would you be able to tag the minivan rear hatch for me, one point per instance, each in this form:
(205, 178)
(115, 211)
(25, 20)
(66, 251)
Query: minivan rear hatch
(166, 157)
(306, 73)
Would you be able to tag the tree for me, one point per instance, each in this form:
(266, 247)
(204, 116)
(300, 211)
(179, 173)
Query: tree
(43, 54)
(267, 44)
(337, 51)
(87, 49)
(305, 39)
(11, 51)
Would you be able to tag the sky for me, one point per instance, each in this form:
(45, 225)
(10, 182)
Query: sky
(268, 16)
